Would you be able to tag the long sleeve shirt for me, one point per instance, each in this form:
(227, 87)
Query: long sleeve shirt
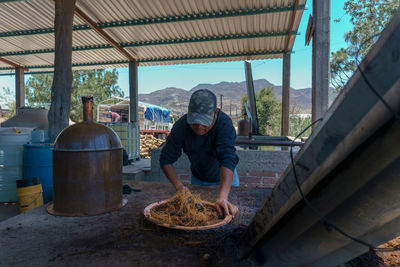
(208, 152)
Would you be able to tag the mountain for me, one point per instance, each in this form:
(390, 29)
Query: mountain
(177, 99)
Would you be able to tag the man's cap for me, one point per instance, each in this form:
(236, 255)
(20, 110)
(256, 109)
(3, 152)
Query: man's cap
(202, 106)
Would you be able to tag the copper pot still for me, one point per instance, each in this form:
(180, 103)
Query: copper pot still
(87, 168)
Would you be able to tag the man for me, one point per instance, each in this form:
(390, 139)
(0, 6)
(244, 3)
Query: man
(115, 117)
(207, 136)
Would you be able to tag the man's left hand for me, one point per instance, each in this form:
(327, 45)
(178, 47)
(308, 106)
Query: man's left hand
(225, 207)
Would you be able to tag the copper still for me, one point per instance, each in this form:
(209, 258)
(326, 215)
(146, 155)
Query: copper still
(87, 168)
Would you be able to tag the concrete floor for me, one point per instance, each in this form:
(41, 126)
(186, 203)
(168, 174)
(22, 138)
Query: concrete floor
(130, 172)
(124, 237)
(8, 210)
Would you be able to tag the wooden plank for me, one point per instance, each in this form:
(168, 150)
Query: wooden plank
(103, 34)
(293, 17)
(12, 63)
(355, 115)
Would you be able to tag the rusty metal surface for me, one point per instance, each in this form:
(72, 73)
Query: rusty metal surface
(87, 183)
(124, 237)
(244, 127)
(87, 168)
(87, 136)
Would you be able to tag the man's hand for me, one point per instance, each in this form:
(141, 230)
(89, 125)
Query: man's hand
(181, 187)
(225, 207)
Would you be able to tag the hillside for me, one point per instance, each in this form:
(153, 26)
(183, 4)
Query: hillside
(177, 99)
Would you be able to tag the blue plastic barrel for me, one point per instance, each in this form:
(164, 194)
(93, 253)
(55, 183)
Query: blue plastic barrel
(38, 162)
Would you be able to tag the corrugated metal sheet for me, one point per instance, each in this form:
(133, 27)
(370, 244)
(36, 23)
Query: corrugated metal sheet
(154, 32)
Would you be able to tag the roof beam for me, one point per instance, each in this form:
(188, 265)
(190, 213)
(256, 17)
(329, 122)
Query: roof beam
(259, 53)
(12, 63)
(296, 4)
(153, 43)
(103, 34)
(158, 20)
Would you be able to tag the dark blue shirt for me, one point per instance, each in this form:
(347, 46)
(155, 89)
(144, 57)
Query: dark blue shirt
(206, 152)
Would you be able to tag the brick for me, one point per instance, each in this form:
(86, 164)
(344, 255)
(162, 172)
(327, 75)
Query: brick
(262, 173)
(251, 180)
(269, 180)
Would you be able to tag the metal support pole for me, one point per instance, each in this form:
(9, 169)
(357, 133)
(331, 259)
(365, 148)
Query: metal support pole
(220, 102)
(285, 94)
(251, 96)
(320, 58)
(19, 88)
(133, 92)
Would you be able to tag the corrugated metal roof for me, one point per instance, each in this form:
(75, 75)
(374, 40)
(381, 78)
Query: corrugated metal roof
(153, 32)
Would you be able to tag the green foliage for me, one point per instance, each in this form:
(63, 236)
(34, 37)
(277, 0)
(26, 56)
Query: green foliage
(369, 18)
(8, 98)
(268, 111)
(100, 84)
(297, 124)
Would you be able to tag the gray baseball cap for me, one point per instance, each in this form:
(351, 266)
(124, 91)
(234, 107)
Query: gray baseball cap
(202, 106)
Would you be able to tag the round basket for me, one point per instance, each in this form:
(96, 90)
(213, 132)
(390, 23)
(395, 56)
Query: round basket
(147, 215)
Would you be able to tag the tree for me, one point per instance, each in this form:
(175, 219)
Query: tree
(100, 84)
(268, 111)
(8, 101)
(369, 18)
(61, 87)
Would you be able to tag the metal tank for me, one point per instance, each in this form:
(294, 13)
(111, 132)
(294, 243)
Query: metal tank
(244, 127)
(28, 117)
(87, 168)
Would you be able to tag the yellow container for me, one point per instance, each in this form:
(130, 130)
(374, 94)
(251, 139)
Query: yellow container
(30, 197)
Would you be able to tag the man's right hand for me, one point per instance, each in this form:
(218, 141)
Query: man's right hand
(181, 187)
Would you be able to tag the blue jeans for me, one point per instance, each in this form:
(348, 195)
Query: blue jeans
(235, 180)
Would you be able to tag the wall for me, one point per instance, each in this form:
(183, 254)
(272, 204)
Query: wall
(255, 168)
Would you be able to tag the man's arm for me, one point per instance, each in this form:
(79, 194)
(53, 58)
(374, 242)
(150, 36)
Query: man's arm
(223, 204)
(169, 171)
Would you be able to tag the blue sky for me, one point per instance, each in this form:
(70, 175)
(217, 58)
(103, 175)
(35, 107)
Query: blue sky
(187, 76)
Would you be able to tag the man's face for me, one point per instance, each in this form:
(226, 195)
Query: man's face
(201, 129)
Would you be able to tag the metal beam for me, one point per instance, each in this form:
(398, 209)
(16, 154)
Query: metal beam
(152, 43)
(259, 53)
(103, 34)
(133, 92)
(296, 4)
(320, 58)
(19, 88)
(285, 94)
(158, 20)
(251, 96)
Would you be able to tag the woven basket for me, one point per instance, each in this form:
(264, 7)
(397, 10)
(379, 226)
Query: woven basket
(147, 215)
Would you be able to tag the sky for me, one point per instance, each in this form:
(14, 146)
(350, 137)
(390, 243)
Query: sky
(187, 76)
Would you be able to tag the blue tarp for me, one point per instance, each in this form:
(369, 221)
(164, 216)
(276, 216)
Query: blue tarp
(156, 113)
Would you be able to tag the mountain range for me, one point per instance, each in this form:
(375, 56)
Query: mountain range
(177, 99)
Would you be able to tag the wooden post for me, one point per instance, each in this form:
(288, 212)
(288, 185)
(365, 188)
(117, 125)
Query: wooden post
(251, 96)
(19, 88)
(285, 94)
(320, 58)
(133, 92)
(62, 81)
